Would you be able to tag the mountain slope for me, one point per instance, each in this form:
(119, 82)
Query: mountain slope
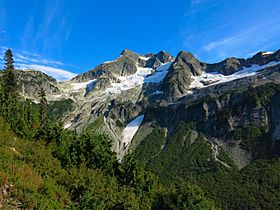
(214, 125)
(117, 92)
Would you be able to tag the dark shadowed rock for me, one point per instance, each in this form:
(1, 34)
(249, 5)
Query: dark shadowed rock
(231, 65)
(178, 80)
(263, 58)
(149, 55)
(102, 83)
(142, 62)
(159, 59)
(153, 63)
(226, 67)
(191, 64)
(164, 57)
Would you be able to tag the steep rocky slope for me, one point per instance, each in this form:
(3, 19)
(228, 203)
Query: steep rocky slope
(31, 81)
(166, 92)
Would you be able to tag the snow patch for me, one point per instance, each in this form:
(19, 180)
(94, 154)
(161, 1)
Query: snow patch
(82, 85)
(108, 61)
(129, 82)
(143, 75)
(144, 58)
(267, 53)
(157, 92)
(213, 78)
(131, 129)
(159, 74)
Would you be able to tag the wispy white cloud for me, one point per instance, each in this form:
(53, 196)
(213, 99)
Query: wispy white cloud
(36, 59)
(215, 30)
(57, 73)
(25, 60)
(48, 34)
(215, 44)
(255, 36)
(37, 62)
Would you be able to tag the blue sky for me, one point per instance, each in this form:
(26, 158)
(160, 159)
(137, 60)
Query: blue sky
(78, 35)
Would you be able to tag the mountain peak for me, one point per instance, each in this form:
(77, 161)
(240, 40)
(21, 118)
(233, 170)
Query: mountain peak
(164, 56)
(129, 54)
(160, 58)
(186, 57)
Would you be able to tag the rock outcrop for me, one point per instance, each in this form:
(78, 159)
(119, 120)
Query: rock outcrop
(263, 58)
(232, 65)
(178, 80)
(124, 65)
(159, 59)
(226, 67)
(31, 81)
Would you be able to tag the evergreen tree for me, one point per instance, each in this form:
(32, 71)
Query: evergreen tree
(9, 76)
(43, 106)
(42, 96)
(9, 60)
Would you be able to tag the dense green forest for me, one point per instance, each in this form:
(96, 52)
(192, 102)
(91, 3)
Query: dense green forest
(187, 155)
(44, 166)
(256, 186)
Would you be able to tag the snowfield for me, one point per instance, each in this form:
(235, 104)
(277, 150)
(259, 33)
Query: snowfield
(69, 87)
(213, 78)
(131, 129)
(144, 58)
(82, 85)
(142, 76)
(159, 74)
(267, 53)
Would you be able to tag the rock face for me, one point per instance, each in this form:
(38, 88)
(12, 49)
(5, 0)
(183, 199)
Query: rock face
(239, 126)
(153, 63)
(101, 84)
(130, 55)
(107, 73)
(232, 65)
(178, 79)
(31, 81)
(226, 67)
(190, 63)
(124, 65)
(263, 58)
(159, 59)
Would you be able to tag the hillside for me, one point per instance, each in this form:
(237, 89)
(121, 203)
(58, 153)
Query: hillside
(46, 167)
(154, 127)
